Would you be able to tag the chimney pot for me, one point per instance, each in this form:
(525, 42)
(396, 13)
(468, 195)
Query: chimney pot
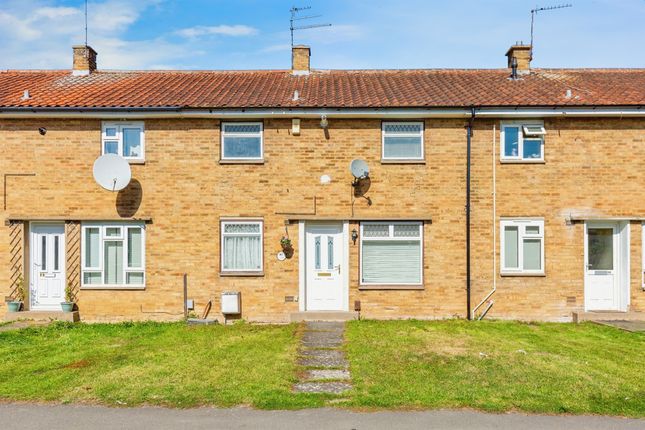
(519, 55)
(300, 59)
(84, 60)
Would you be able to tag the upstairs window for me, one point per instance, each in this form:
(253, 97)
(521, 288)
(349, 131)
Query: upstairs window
(522, 141)
(125, 139)
(242, 141)
(522, 250)
(402, 141)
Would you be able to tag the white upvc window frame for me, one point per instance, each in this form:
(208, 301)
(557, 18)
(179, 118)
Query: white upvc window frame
(384, 134)
(103, 237)
(119, 126)
(525, 131)
(225, 222)
(522, 234)
(391, 237)
(225, 134)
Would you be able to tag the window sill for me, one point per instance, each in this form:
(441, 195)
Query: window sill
(113, 287)
(241, 161)
(140, 162)
(520, 274)
(390, 287)
(244, 274)
(502, 161)
(394, 161)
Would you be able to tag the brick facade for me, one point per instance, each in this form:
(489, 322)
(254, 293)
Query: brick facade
(592, 166)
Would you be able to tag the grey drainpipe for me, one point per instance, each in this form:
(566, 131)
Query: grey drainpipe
(469, 133)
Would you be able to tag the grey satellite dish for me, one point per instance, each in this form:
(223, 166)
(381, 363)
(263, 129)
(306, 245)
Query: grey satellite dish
(359, 168)
(112, 172)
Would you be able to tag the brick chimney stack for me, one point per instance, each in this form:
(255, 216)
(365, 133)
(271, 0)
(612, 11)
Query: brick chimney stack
(300, 59)
(84, 60)
(522, 55)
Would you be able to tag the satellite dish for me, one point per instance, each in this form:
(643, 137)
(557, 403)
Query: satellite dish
(359, 168)
(112, 172)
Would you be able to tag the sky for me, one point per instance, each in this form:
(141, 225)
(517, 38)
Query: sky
(372, 34)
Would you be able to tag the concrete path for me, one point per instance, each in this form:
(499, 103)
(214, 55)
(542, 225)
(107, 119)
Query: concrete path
(321, 354)
(633, 326)
(37, 417)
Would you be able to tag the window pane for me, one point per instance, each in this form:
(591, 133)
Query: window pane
(330, 252)
(243, 128)
(92, 243)
(134, 247)
(113, 257)
(111, 147)
(134, 278)
(242, 228)
(92, 278)
(532, 229)
(406, 230)
(402, 147)
(511, 144)
(132, 142)
(510, 247)
(317, 252)
(600, 248)
(392, 262)
(56, 252)
(242, 147)
(242, 253)
(110, 132)
(376, 230)
(113, 232)
(402, 128)
(532, 254)
(43, 253)
(532, 148)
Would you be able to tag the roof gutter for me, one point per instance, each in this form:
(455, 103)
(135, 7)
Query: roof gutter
(253, 113)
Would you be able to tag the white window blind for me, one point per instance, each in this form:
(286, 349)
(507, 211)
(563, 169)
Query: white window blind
(522, 246)
(402, 141)
(391, 253)
(242, 140)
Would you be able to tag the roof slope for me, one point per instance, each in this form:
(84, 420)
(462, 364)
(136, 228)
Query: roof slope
(336, 88)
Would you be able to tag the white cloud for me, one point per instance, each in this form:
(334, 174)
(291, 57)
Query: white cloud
(224, 30)
(38, 34)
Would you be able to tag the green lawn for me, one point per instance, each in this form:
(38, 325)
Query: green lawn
(495, 366)
(152, 363)
(498, 366)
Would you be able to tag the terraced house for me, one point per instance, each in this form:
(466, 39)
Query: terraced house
(514, 191)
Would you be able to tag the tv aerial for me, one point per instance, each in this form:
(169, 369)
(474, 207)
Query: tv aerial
(543, 9)
(112, 172)
(294, 17)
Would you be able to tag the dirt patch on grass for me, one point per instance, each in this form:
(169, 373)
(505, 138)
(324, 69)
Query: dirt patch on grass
(77, 364)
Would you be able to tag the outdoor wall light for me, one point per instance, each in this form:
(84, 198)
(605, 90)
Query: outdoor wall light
(42, 131)
(354, 236)
(323, 121)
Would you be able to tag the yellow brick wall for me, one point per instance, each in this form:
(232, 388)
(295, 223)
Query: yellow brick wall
(185, 190)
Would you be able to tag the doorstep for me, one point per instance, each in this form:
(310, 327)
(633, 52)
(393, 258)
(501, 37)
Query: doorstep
(608, 316)
(42, 316)
(323, 316)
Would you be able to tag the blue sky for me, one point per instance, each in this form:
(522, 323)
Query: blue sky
(253, 34)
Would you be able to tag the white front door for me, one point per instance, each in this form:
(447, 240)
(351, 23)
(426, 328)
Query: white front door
(602, 270)
(47, 280)
(325, 266)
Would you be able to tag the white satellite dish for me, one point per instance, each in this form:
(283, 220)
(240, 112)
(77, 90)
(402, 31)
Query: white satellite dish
(112, 172)
(359, 168)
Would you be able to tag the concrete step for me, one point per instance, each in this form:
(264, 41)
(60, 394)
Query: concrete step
(42, 316)
(323, 316)
(608, 316)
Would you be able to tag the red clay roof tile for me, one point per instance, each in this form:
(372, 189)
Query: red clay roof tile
(323, 88)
